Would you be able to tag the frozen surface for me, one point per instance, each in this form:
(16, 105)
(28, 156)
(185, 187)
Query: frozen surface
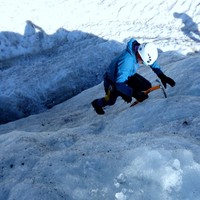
(54, 52)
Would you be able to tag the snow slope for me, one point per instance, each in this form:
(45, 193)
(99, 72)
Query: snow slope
(150, 151)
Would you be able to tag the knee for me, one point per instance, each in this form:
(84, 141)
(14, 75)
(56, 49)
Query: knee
(148, 85)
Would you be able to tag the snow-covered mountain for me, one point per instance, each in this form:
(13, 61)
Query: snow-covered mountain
(53, 56)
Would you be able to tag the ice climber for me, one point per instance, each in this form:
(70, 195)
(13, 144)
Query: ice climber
(122, 78)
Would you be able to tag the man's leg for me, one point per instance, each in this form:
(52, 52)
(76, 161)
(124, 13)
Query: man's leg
(139, 83)
(108, 100)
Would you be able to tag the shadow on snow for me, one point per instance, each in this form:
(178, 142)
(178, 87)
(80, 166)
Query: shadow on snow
(190, 28)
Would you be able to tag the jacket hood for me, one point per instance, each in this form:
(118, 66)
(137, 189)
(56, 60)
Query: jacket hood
(129, 46)
(132, 46)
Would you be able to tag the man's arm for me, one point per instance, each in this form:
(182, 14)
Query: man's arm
(165, 79)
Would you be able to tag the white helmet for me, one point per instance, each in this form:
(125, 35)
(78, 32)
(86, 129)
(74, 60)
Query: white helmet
(148, 53)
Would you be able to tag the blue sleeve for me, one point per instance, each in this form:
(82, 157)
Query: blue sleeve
(156, 68)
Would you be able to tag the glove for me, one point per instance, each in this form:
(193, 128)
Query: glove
(141, 96)
(126, 98)
(165, 79)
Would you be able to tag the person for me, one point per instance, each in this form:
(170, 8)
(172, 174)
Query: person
(122, 78)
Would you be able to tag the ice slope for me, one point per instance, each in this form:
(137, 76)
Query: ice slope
(150, 151)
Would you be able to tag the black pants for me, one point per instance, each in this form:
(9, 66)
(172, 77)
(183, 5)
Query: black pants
(138, 83)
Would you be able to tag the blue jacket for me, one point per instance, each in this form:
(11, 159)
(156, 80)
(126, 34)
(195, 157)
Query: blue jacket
(125, 66)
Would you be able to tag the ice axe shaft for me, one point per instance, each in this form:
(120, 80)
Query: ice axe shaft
(156, 87)
(162, 87)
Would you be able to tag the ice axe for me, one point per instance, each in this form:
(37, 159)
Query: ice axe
(156, 87)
